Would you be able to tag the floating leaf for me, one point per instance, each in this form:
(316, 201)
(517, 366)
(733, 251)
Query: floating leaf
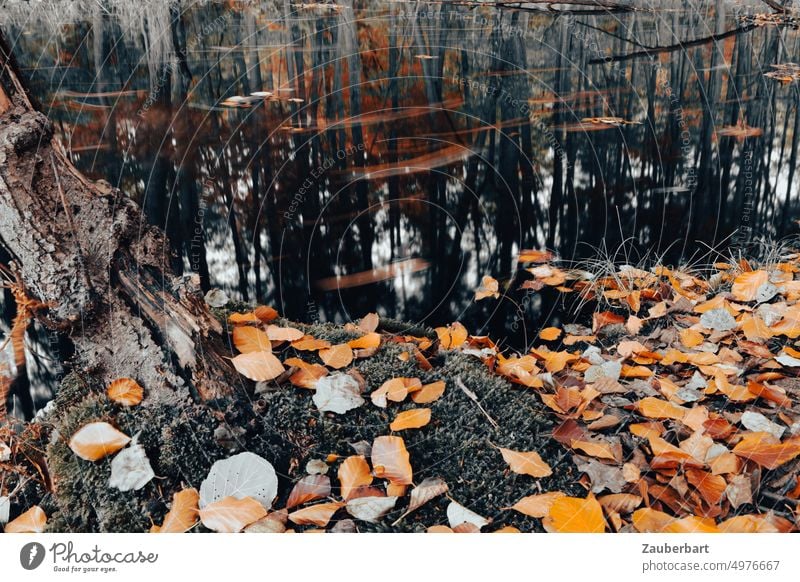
(183, 514)
(489, 288)
(337, 356)
(125, 391)
(390, 460)
(575, 515)
(248, 339)
(458, 514)
(338, 393)
(526, 463)
(231, 514)
(353, 473)
(96, 440)
(32, 521)
(309, 488)
(414, 418)
(240, 476)
(258, 366)
(318, 515)
(537, 505)
(370, 509)
(130, 469)
(429, 392)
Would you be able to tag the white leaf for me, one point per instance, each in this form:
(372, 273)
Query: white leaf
(757, 422)
(718, 320)
(765, 292)
(217, 298)
(370, 508)
(5, 452)
(458, 514)
(240, 476)
(316, 467)
(787, 360)
(130, 469)
(337, 393)
(5, 507)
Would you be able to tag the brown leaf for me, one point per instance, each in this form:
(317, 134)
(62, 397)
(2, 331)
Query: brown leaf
(764, 449)
(537, 505)
(337, 356)
(96, 440)
(265, 313)
(258, 366)
(125, 391)
(430, 488)
(575, 515)
(307, 374)
(283, 334)
(369, 322)
(414, 418)
(526, 463)
(745, 286)
(620, 502)
(597, 449)
(390, 460)
(32, 521)
(231, 515)
(182, 515)
(309, 488)
(248, 339)
(353, 473)
(429, 392)
(318, 515)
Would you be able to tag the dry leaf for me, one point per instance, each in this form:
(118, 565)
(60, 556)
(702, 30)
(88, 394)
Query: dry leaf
(309, 343)
(183, 514)
(390, 460)
(283, 334)
(248, 339)
(307, 374)
(415, 418)
(125, 391)
(489, 288)
(453, 336)
(429, 488)
(745, 286)
(338, 393)
(318, 515)
(370, 509)
(96, 440)
(240, 318)
(130, 469)
(762, 448)
(366, 342)
(32, 521)
(429, 392)
(353, 473)
(575, 515)
(594, 449)
(265, 313)
(550, 333)
(243, 475)
(395, 390)
(620, 502)
(258, 366)
(526, 463)
(652, 407)
(337, 356)
(309, 488)
(369, 322)
(231, 515)
(457, 514)
(537, 505)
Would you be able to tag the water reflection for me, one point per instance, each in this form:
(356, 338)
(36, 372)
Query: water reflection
(332, 160)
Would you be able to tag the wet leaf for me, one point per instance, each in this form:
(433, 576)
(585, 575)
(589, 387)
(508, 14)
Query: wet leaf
(32, 521)
(231, 514)
(309, 488)
(338, 356)
(249, 339)
(354, 472)
(318, 515)
(125, 391)
(390, 460)
(183, 514)
(575, 515)
(414, 418)
(526, 463)
(96, 440)
(258, 366)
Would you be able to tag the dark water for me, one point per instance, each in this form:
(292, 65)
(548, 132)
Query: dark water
(408, 149)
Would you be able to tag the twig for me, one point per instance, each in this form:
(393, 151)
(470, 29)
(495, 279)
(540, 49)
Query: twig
(472, 396)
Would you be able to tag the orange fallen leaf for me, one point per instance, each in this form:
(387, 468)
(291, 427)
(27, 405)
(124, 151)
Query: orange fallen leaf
(537, 505)
(605, 318)
(369, 322)
(765, 450)
(307, 374)
(550, 333)
(353, 473)
(183, 514)
(365, 342)
(526, 463)
(439, 529)
(594, 449)
(395, 390)
(125, 391)
(32, 521)
(414, 418)
(309, 488)
(240, 318)
(429, 392)
(265, 313)
(653, 407)
(575, 515)
(338, 356)
(96, 440)
(620, 502)
(711, 487)
(231, 515)
(535, 256)
(309, 343)
(647, 520)
(452, 336)
(390, 460)
(283, 334)
(318, 515)
(248, 339)
(489, 288)
(745, 286)
(258, 366)
(691, 338)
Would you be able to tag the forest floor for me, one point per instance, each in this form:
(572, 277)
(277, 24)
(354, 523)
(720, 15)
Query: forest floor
(676, 408)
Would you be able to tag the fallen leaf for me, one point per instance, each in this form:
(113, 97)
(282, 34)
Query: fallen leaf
(395, 390)
(429, 392)
(369, 341)
(240, 318)
(535, 256)
(96, 440)
(370, 509)
(337, 393)
(369, 322)
(274, 522)
(309, 488)
(526, 463)
(620, 502)
(537, 505)
(258, 366)
(575, 515)
(231, 515)
(338, 356)
(605, 318)
(248, 339)
(594, 449)
(745, 286)
(307, 375)
(763, 449)
(489, 288)
(549, 334)
(125, 391)
(243, 475)
(283, 334)
(414, 418)
(183, 514)
(453, 336)
(130, 469)
(318, 515)
(390, 460)
(32, 521)
(430, 488)
(265, 313)
(652, 407)
(458, 514)
(353, 473)
(309, 343)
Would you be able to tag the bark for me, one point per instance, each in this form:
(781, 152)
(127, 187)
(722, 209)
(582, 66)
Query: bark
(86, 251)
